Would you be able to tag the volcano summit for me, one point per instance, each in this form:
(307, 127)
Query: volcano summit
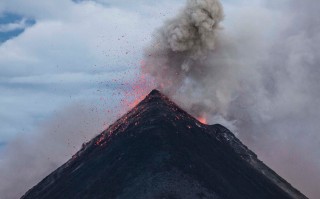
(159, 151)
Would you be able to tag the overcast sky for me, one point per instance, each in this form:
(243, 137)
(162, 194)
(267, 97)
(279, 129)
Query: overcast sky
(56, 53)
(66, 65)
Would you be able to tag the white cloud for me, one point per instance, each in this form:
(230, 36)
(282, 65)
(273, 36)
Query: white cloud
(21, 25)
(72, 46)
(78, 45)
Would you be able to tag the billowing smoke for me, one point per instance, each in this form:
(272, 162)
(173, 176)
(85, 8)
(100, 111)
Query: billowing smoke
(183, 43)
(187, 62)
(258, 75)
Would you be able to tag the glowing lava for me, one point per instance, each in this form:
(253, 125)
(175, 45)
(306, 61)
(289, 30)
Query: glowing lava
(136, 101)
(202, 119)
(137, 90)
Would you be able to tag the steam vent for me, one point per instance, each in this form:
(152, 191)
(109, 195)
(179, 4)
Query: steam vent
(158, 151)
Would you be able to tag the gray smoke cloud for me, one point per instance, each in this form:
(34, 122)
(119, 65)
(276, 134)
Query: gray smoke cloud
(258, 75)
(183, 41)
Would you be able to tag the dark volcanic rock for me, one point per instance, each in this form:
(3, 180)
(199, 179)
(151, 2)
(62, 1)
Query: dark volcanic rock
(159, 151)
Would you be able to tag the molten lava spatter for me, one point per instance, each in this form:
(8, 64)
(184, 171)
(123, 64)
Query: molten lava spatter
(137, 90)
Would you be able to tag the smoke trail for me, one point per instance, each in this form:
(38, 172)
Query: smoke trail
(258, 75)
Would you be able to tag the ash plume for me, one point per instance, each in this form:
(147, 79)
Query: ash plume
(257, 75)
(184, 42)
(185, 59)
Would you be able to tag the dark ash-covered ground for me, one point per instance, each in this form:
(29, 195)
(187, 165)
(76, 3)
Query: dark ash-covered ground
(159, 151)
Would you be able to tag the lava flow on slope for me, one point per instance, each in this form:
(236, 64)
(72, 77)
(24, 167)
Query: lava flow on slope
(157, 150)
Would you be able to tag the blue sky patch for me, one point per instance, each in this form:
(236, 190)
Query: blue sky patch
(12, 25)
(2, 144)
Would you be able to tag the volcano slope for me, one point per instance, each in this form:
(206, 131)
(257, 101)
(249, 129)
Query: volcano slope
(159, 151)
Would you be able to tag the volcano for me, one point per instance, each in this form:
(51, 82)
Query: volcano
(158, 151)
